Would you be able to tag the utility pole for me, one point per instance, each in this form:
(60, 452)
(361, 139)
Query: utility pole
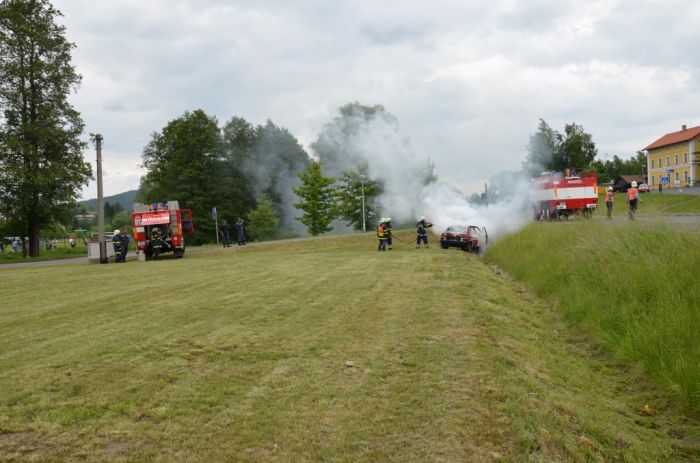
(97, 139)
(364, 221)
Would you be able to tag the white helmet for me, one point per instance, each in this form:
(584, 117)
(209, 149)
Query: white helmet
(382, 220)
(634, 184)
(610, 188)
(421, 218)
(116, 232)
(388, 219)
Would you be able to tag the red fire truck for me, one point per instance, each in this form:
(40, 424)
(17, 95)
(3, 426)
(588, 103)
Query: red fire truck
(554, 195)
(171, 222)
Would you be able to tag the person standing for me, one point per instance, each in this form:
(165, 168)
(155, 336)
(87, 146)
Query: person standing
(117, 245)
(240, 231)
(609, 201)
(156, 242)
(632, 198)
(223, 230)
(2, 247)
(382, 235)
(125, 246)
(387, 229)
(422, 231)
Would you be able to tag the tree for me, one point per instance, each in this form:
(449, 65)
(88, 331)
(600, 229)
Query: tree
(549, 150)
(577, 149)
(184, 162)
(542, 149)
(263, 221)
(41, 166)
(356, 185)
(318, 199)
(121, 220)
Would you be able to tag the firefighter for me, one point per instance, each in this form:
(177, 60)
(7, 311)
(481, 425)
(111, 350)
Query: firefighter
(125, 245)
(387, 230)
(609, 201)
(156, 242)
(382, 234)
(117, 244)
(632, 199)
(422, 231)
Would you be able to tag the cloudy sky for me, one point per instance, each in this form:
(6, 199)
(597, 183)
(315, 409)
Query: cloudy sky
(467, 79)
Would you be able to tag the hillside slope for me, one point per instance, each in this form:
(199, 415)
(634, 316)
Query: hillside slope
(315, 350)
(125, 199)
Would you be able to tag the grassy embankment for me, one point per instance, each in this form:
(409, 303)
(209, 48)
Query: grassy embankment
(61, 251)
(317, 350)
(635, 286)
(657, 204)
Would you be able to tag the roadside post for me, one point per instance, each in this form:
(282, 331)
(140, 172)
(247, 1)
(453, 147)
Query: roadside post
(216, 221)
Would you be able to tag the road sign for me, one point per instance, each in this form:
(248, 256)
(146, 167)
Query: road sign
(669, 170)
(213, 213)
(664, 180)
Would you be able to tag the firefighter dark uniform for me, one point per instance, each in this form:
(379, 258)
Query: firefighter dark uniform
(117, 244)
(381, 234)
(156, 243)
(387, 230)
(422, 231)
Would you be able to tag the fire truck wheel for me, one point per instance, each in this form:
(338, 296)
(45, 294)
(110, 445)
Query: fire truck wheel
(178, 253)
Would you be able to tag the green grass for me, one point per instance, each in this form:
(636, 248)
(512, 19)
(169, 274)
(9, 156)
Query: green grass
(62, 251)
(633, 285)
(241, 354)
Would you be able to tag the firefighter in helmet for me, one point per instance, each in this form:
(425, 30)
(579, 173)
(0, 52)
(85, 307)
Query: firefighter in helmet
(609, 201)
(156, 242)
(117, 244)
(387, 229)
(422, 226)
(382, 234)
(632, 198)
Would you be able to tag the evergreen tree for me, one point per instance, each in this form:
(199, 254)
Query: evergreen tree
(41, 166)
(318, 199)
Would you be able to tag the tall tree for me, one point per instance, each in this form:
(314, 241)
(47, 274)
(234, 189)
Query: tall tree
(542, 149)
(41, 166)
(184, 162)
(263, 220)
(577, 149)
(318, 199)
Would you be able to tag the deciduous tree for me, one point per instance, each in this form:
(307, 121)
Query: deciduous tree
(318, 199)
(42, 169)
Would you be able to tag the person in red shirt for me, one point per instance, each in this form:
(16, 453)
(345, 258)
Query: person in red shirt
(632, 198)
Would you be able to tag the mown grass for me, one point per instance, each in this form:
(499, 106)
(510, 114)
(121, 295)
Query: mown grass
(315, 350)
(633, 285)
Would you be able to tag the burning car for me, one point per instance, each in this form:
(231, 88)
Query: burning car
(466, 237)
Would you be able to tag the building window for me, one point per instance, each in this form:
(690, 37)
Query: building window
(677, 176)
(685, 158)
(652, 163)
(685, 176)
(652, 180)
(668, 161)
(676, 159)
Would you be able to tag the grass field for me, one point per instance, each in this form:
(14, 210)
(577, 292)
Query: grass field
(62, 251)
(315, 350)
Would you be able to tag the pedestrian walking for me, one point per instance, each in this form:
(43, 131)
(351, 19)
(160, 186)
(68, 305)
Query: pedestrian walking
(240, 231)
(632, 199)
(609, 201)
(117, 245)
(422, 231)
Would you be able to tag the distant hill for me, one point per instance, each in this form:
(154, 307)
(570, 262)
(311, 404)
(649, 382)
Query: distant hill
(126, 199)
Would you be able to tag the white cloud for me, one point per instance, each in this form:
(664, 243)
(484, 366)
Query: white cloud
(468, 80)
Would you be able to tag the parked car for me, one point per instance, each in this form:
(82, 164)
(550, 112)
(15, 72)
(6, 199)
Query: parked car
(643, 188)
(469, 238)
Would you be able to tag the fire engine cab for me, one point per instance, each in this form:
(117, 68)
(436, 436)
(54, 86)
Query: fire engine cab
(554, 195)
(171, 223)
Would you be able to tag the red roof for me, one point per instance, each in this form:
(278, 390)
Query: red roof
(675, 137)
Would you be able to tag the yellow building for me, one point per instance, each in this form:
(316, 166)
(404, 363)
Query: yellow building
(674, 159)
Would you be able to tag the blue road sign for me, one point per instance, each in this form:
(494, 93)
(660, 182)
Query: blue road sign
(213, 213)
(665, 180)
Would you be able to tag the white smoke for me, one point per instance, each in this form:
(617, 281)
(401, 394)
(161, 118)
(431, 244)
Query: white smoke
(379, 143)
